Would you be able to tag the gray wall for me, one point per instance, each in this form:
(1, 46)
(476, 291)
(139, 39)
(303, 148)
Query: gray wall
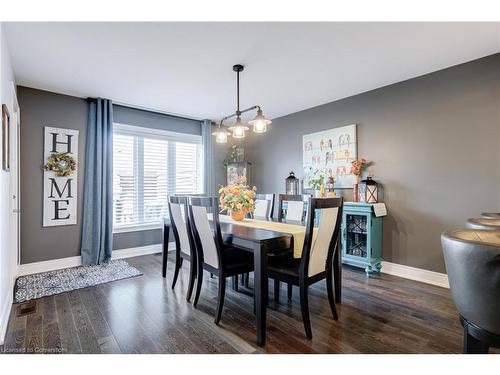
(42, 108)
(435, 141)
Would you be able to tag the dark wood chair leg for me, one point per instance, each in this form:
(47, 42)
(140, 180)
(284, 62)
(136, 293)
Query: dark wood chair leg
(192, 276)
(289, 291)
(182, 262)
(220, 299)
(177, 268)
(235, 283)
(337, 275)
(331, 294)
(304, 306)
(165, 250)
(247, 279)
(199, 279)
(473, 345)
(276, 290)
(211, 275)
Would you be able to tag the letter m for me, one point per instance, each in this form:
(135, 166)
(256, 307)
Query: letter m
(53, 185)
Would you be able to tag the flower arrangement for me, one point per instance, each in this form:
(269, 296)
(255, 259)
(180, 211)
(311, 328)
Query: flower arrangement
(237, 198)
(62, 163)
(357, 166)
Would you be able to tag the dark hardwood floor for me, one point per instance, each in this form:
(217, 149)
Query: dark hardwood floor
(382, 314)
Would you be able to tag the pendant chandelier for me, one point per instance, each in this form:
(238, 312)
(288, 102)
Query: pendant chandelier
(238, 129)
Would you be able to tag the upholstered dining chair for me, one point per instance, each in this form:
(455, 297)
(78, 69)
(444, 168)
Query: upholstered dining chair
(490, 215)
(212, 254)
(296, 207)
(486, 224)
(184, 244)
(316, 262)
(264, 206)
(472, 259)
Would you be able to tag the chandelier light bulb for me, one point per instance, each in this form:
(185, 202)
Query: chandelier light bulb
(259, 122)
(221, 135)
(238, 129)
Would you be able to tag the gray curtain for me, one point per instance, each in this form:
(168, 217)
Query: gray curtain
(208, 157)
(97, 226)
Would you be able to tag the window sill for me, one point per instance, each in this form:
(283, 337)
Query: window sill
(137, 228)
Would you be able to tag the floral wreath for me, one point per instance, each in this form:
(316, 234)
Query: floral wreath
(61, 163)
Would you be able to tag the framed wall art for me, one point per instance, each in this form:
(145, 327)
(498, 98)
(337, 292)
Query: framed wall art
(60, 177)
(331, 152)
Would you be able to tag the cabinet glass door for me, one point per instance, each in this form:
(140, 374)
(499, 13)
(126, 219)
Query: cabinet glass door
(356, 235)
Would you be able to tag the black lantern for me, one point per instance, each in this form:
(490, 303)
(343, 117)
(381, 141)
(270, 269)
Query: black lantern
(368, 191)
(292, 184)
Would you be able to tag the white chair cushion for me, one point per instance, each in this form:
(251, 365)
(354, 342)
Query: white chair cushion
(178, 218)
(295, 210)
(319, 249)
(206, 236)
(261, 207)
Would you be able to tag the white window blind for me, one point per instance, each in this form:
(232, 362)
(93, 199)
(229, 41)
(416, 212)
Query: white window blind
(148, 165)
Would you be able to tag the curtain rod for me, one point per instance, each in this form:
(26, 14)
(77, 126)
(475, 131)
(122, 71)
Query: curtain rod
(126, 105)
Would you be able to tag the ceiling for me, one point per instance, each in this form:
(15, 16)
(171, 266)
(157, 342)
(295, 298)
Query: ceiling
(186, 68)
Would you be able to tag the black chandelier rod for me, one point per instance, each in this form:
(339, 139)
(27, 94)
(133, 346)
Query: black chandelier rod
(238, 113)
(238, 69)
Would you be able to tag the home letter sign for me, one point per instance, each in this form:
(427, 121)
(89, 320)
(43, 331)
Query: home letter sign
(60, 193)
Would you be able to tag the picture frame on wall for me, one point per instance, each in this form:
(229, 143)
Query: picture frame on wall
(5, 138)
(330, 152)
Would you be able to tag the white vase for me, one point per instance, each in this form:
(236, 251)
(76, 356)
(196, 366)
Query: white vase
(317, 193)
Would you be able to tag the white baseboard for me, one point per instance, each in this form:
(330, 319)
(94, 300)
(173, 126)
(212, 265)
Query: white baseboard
(407, 272)
(417, 274)
(57, 264)
(4, 316)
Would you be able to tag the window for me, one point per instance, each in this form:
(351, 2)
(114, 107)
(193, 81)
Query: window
(148, 165)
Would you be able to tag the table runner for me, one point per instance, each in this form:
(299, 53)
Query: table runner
(297, 231)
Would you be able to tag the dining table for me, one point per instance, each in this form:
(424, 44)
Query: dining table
(261, 242)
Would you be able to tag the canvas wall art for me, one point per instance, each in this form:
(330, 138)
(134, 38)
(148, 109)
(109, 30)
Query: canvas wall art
(60, 189)
(331, 151)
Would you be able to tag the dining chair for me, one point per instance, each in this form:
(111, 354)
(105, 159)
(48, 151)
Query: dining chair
(296, 207)
(264, 210)
(316, 262)
(184, 244)
(212, 254)
(472, 259)
(264, 206)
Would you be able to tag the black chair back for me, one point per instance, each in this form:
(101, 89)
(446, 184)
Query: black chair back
(317, 258)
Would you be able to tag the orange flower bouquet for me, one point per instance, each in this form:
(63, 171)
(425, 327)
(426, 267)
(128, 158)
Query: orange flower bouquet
(237, 198)
(357, 166)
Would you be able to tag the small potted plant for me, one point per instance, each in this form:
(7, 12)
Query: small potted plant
(237, 198)
(317, 182)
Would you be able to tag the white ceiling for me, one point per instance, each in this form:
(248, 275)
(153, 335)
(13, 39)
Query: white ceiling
(186, 68)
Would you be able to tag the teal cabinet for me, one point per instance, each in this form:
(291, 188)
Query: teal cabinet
(361, 237)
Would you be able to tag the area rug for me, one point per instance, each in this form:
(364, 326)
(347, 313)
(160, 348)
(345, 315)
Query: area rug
(59, 281)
